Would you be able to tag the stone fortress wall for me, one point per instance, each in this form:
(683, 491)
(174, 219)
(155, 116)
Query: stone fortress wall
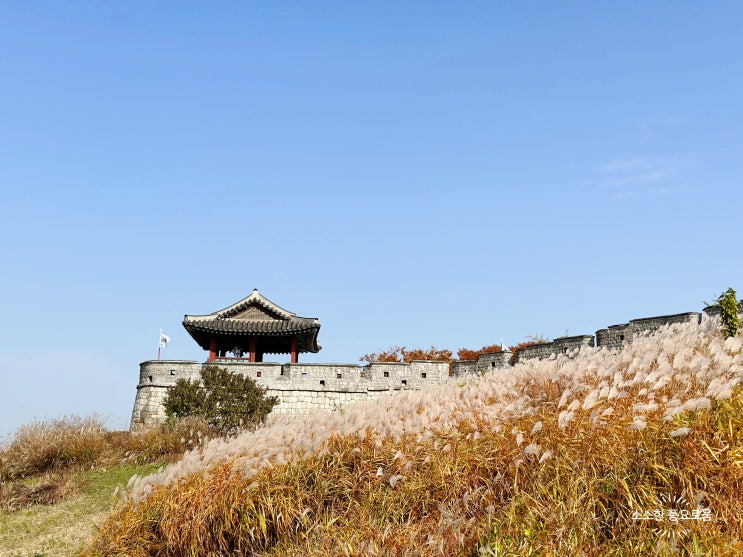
(301, 388)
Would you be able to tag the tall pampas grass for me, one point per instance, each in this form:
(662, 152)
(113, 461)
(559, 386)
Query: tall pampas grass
(548, 457)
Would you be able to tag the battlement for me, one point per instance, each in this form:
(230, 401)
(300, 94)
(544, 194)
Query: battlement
(301, 388)
(563, 345)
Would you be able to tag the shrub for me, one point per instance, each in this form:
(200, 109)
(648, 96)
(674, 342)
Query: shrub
(729, 317)
(402, 354)
(467, 354)
(227, 401)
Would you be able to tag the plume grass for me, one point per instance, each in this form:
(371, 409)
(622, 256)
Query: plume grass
(554, 457)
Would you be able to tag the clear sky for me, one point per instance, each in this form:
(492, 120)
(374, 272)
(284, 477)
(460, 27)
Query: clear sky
(414, 173)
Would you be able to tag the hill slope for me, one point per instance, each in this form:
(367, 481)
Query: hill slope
(630, 453)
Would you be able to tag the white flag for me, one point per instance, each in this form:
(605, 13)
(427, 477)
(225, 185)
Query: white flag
(164, 340)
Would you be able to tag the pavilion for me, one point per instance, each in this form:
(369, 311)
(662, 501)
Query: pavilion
(252, 327)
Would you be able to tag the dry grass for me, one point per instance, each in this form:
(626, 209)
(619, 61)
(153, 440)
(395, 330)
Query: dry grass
(60, 529)
(58, 478)
(76, 443)
(166, 443)
(48, 489)
(43, 446)
(550, 458)
(57, 464)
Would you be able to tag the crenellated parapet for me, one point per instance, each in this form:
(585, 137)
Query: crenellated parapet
(563, 345)
(616, 336)
(301, 388)
(714, 310)
(493, 360)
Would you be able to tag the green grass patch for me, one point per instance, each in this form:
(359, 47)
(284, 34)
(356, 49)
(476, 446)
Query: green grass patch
(60, 530)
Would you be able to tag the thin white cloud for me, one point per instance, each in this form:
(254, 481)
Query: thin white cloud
(649, 177)
(672, 190)
(625, 165)
(626, 178)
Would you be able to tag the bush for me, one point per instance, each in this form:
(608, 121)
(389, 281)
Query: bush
(402, 354)
(227, 401)
(468, 354)
(729, 317)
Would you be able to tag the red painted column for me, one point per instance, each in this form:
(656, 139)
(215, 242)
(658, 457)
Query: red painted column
(295, 355)
(251, 348)
(212, 349)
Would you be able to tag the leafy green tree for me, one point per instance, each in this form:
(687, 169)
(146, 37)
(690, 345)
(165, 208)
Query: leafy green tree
(227, 401)
(729, 317)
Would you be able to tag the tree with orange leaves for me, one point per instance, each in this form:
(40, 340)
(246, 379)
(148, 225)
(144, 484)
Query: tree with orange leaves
(402, 354)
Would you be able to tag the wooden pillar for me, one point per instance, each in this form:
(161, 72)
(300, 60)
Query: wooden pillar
(295, 355)
(212, 349)
(251, 348)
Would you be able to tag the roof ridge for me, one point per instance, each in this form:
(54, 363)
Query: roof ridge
(255, 297)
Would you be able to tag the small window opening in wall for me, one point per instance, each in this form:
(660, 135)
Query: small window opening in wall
(339, 376)
(423, 374)
(259, 374)
(150, 378)
(621, 337)
(386, 373)
(492, 364)
(565, 350)
(404, 381)
(172, 372)
(282, 371)
(322, 382)
(304, 375)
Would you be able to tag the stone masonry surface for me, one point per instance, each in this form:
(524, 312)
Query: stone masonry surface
(301, 388)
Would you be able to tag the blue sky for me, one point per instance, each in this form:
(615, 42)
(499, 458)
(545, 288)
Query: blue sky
(416, 173)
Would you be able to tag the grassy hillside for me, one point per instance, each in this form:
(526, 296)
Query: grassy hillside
(58, 479)
(61, 529)
(635, 453)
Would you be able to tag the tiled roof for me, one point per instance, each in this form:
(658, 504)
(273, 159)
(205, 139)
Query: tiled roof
(253, 316)
(244, 326)
(255, 299)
